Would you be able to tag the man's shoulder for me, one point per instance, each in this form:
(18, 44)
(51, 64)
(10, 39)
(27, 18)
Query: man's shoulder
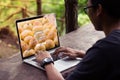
(112, 40)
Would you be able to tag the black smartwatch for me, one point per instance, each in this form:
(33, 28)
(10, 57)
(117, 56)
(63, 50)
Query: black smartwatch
(46, 61)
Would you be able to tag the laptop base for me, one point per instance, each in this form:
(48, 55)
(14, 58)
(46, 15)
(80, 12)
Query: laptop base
(61, 64)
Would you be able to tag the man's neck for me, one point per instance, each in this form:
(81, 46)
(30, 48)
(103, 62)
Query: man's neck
(109, 28)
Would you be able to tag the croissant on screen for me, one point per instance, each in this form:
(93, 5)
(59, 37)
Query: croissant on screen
(37, 28)
(32, 43)
(44, 20)
(40, 36)
(27, 39)
(46, 31)
(36, 22)
(28, 52)
(24, 46)
(26, 33)
(20, 29)
(27, 26)
(39, 47)
(49, 44)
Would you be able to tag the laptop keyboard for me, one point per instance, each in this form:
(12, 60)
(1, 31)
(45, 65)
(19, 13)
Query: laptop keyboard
(53, 56)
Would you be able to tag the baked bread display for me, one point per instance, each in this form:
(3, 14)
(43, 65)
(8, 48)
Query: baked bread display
(32, 43)
(25, 33)
(28, 52)
(38, 34)
(24, 46)
(40, 47)
(27, 39)
(49, 44)
(27, 26)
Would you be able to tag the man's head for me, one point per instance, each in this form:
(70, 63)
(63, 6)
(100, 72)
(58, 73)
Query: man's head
(111, 7)
(102, 10)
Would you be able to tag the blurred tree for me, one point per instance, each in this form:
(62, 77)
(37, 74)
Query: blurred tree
(39, 7)
(10, 10)
(71, 15)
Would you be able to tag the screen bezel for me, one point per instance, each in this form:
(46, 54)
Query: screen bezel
(31, 18)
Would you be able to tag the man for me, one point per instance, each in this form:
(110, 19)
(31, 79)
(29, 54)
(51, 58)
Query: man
(102, 60)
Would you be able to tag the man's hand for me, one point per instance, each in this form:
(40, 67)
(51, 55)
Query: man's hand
(50, 69)
(72, 53)
(40, 55)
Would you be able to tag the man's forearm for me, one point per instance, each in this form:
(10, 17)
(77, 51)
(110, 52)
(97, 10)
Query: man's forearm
(53, 73)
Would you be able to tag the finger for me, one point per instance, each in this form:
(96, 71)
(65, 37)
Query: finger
(67, 54)
(61, 49)
(61, 55)
(70, 55)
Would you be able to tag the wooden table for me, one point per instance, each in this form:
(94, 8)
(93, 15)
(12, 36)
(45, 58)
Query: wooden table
(13, 68)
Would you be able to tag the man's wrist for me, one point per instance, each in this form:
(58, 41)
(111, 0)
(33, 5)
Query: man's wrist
(80, 53)
(46, 61)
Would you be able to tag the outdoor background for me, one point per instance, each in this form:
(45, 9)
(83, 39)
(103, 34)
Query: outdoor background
(11, 10)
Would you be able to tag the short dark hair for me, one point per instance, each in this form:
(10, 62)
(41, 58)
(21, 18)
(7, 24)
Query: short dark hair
(111, 7)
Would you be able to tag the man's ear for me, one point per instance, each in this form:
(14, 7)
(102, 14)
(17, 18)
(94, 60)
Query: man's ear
(99, 10)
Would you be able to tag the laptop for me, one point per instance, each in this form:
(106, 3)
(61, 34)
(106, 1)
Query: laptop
(40, 33)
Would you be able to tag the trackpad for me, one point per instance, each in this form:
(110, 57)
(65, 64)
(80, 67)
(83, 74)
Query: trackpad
(66, 63)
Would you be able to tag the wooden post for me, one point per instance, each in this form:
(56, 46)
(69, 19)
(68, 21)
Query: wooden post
(71, 7)
(24, 12)
(39, 9)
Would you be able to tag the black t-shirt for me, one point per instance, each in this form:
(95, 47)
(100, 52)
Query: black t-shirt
(102, 60)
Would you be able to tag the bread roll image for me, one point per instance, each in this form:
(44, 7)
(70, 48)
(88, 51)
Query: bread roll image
(49, 44)
(32, 51)
(37, 22)
(40, 36)
(54, 29)
(50, 26)
(20, 29)
(37, 28)
(51, 18)
(51, 35)
(26, 33)
(32, 43)
(40, 47)
(47, 26)
(27, 39)
(28, 52)
(27, 26)
(42, 39)
(46, 31)
(44, 20)
(24, 46)
(56, 41)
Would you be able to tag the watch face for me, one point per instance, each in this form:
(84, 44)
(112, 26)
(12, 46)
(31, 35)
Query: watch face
(46, 61)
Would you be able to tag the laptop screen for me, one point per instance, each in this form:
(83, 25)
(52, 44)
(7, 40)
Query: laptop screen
(36, 34)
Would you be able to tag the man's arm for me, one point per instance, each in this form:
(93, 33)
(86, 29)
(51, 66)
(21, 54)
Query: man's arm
(53, 73)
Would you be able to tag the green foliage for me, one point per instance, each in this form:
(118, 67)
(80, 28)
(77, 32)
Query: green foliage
(83, 19)
(81, 5)
(57, 7)
(10, 10)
